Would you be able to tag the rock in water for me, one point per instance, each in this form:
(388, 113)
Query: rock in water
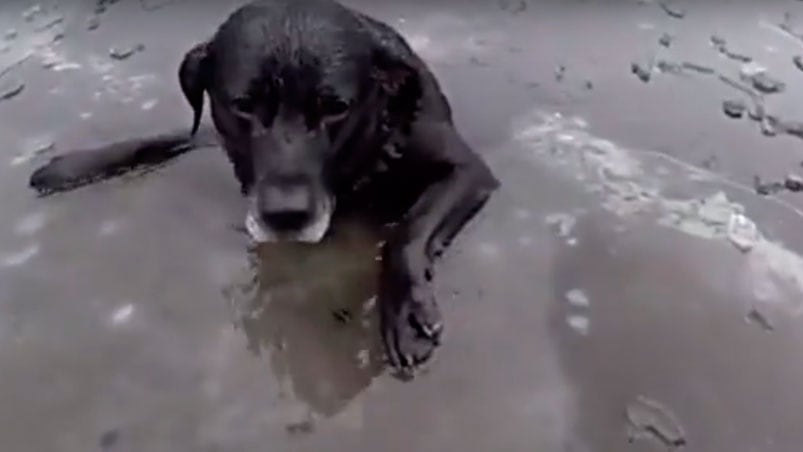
(647, 418)
(643, 73)
(793, 182)
(734, 108)
(673, 11)
(11, 89)
(766, 84)
(126, 52)
(742, 232)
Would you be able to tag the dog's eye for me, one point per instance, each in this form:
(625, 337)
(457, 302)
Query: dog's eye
(243, 106)
(332, 109)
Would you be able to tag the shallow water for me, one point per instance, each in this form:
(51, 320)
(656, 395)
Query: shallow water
(134, 316)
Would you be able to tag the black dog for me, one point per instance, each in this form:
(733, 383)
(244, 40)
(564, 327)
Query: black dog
(316, 103)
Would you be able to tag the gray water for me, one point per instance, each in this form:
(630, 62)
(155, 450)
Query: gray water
(134, 317)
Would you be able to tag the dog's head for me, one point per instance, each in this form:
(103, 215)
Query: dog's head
(286, 118)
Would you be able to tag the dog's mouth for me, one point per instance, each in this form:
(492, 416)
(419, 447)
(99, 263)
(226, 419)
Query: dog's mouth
(313, 232)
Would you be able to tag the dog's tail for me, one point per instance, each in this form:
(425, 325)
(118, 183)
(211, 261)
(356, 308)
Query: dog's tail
(78, 168)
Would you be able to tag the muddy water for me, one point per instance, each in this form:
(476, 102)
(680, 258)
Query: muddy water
(626, 257)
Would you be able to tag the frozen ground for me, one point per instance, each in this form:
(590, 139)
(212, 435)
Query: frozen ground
(626, 290)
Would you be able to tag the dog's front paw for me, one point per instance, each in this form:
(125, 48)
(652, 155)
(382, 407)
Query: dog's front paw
(412, 327)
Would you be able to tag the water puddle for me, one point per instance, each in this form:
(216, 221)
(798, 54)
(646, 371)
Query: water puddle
(310, 311)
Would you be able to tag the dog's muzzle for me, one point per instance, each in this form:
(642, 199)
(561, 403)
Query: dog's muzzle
(289, 226)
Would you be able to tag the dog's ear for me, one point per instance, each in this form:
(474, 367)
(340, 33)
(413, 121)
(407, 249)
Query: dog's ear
(193, 75)
(392, 72)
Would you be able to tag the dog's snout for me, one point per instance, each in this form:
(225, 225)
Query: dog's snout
(287, 208)
(287, 220)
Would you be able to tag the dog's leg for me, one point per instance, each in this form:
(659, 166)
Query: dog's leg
(411, 321)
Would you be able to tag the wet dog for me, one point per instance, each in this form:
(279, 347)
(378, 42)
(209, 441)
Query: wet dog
(318, 106)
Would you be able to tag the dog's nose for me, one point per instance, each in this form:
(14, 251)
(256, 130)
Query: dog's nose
(287, 220)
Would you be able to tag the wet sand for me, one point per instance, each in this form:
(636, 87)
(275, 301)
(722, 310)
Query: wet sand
(626, 289)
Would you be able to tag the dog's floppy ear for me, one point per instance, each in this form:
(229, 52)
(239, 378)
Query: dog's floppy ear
(193, 75)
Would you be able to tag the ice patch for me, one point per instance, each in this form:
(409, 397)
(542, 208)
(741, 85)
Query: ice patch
(579, 323)
(20, 257)
(563, 222)
(633, 184)
(30, 224)
(523, 214)
(577, 298)
(32, 148)
(449, 38)
(149, 104)
(108, 228)
(122, 315)
(488, 250)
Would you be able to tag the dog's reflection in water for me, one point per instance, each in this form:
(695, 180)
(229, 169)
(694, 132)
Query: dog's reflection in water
(309, 310)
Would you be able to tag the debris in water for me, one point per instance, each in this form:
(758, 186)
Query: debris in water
(798, 60)
(766, 84)
(665, 40)
(53, 22)
(721, 45)
(563, 222)
(710, 163)
(737, 56)
(517, 7)
(300, 428)
(734, 108)
(794, 128)
(30, 13)
(109, 439)
(767, 188)
(742, 232)
(669, 67)
(589, 85)
(793, 182)
(11, 89)
(769, 125)
(787, 27)
(697, 67)
(757, 317)
(672, 11)
(647, 418)
(642, 72)
(342, 315)
(560, 72)
(756, 113)
(125, 53)
(93, 23)
(734, 84)
(577, 298)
